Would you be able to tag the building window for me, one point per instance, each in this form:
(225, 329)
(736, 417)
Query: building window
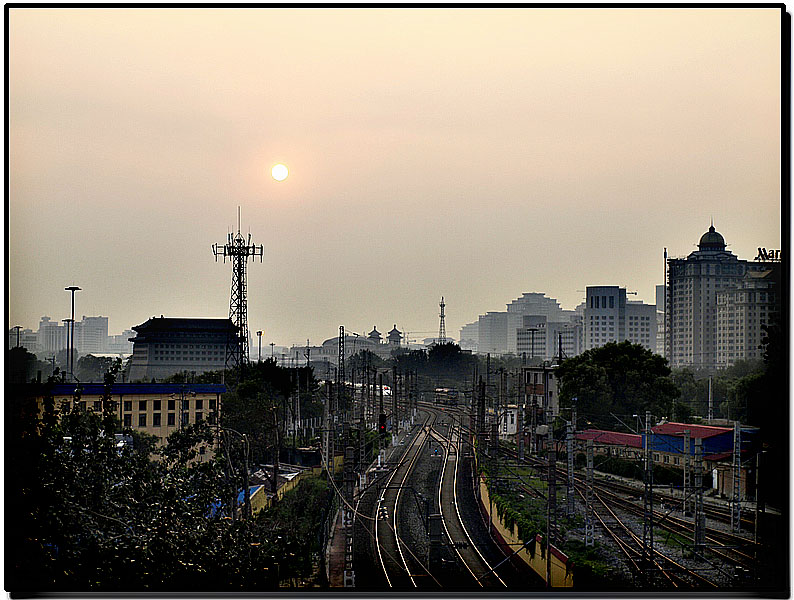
(127, 420)
(171, 419)
(199, 404)
(199, 417)
(156, 420)
(142, 420)
(172, 405)
(185, 404)
(213, 404)
(127, 405)
(156, 405)
(185, 419)
(142, 405)
(97, 405)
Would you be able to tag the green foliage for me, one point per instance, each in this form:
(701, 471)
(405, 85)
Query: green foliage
(93, 368)
(21, 366)
(295, 521)
(622, 378)
(91, 516)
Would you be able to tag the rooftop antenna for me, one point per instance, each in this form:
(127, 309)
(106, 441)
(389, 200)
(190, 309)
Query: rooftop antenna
(442, 332)
(238, 251)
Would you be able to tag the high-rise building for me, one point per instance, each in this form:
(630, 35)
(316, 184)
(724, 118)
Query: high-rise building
(741, 314)
(91, 335)
(52, 336)
(469, 336)
(692, 287)
(609, 317)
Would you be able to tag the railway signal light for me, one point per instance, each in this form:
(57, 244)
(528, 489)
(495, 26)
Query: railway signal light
(382, 424)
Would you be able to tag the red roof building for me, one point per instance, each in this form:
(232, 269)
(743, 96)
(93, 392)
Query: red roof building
(695, 431)
(613, 438)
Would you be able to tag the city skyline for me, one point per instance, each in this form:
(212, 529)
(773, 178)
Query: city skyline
(430, 152)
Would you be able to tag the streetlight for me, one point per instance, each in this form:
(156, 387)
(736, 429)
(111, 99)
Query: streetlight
(259, 335)
(272, 349)
(17, 327)
(73, 289)
(68, 342)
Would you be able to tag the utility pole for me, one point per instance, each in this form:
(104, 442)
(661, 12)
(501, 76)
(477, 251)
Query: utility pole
(349, 574)
(551, 516)
(238, 250)
(327, 437)
(395, 423)
(700, 516)
(589, 538)
(736, 503)
(711, 401)
(647, 517)
(687, 508)
(521, 408)
(341, 397)
(569, 448)
(72, 289)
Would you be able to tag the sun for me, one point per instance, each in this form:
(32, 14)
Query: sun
(279, 172)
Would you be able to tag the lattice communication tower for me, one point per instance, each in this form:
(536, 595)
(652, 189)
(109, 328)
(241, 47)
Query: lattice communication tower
(442, 332)
(238, 250)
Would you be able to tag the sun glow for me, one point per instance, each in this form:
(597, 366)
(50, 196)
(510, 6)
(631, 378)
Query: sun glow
(279, 172)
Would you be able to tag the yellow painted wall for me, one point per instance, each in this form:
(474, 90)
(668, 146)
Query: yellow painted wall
(560, 576)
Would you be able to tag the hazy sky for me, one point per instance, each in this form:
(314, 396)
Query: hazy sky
(471, 153)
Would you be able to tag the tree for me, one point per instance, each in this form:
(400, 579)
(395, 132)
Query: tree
(92, 368)
(90, 516)
(617, 378)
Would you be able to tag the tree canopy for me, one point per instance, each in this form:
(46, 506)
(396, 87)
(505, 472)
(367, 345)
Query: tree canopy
(620, 379)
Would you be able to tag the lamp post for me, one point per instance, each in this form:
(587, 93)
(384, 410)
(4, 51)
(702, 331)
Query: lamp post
(73, 289)
(68, 342)
(259, 335)
(17, 327)
(272, 349)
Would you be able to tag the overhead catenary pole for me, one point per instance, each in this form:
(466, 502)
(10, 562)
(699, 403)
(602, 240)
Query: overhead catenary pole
(736, 503)
(571, 490)
(589, 538)
(647, 519)
(687, 474)
(551, 506)
(700, 516)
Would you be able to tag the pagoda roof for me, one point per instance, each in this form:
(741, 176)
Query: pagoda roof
(184, 324)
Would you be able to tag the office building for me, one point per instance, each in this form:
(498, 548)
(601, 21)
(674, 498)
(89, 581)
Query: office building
(742, 313)
(693, 284)
(609, 317)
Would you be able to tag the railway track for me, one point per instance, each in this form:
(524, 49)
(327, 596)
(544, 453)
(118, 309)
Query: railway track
(483, 574)
(402, 569)
(733, 549)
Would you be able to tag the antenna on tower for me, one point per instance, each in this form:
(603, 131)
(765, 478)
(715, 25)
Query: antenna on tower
(238, 251)
(442, 332)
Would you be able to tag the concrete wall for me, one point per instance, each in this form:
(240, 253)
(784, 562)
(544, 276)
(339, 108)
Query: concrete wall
(533, 555)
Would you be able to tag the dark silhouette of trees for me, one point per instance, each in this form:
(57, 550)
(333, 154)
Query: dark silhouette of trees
(623, 379)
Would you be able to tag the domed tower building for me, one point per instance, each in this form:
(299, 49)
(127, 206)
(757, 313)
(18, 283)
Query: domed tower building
(693, 285)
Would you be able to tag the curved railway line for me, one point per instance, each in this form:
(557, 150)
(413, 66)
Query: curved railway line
(667, 572)
(402, 566)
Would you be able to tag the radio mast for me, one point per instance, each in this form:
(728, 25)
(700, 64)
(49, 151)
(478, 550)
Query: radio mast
(238, 250)
(442, 332)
